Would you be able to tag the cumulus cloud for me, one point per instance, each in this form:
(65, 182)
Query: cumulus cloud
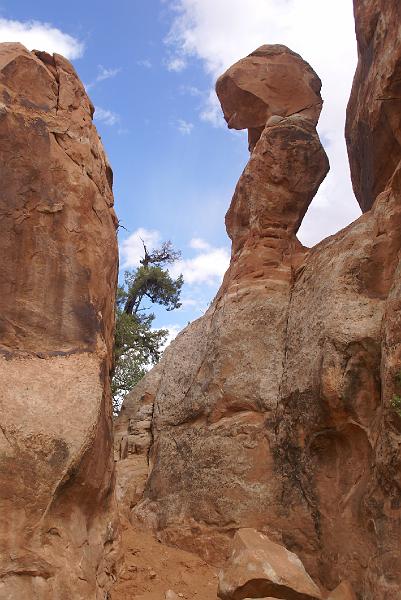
(184, 127)
(202, 272)
(176, 64)
(207, 267)
(211, 111)
(187, 302)
(36, 35)
(107, 117)
(131, 249)
(199, 244)
(219, 33)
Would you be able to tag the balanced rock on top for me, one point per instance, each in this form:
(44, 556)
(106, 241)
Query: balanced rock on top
(272, 80)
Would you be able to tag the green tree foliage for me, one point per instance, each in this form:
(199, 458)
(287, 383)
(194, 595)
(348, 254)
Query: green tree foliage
(137, 345)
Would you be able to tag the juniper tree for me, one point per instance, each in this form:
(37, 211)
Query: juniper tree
(137, 344)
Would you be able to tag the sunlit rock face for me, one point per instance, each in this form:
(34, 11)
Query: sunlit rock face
(260, 568)
(275, 411)
(58, 273)
(272, 80)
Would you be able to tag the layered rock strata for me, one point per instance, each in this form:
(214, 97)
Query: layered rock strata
(277, 410)
(57, 290)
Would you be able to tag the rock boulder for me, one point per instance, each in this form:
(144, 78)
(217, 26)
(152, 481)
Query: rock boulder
(271, 81)
(259, 568)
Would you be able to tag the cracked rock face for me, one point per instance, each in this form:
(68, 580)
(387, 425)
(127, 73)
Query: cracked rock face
(57, 287)
(275, 411)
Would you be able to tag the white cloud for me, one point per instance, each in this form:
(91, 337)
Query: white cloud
(184, 127)
(103, 74)
(207, 267)
(211, 111)
(190, 303)
(132, 247)
(199, 244)
(192, 90)
(173, 331)
(219, 33)
(107, 117)
(145, 62)
(36, 35)
(176, 64)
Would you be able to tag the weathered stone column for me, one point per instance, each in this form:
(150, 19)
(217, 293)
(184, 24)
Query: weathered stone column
(58, 271)
(218, 386)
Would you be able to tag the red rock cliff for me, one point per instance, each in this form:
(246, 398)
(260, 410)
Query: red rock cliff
(57, 288)
(277, 409)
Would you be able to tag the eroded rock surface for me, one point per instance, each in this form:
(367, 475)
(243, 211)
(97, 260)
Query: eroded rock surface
(133, 440)
(373, 129)
(271, 81)
(343, 591)
(57, 287)
(260, 568)
(275, 410)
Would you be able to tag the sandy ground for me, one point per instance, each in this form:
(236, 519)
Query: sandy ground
(153, 571)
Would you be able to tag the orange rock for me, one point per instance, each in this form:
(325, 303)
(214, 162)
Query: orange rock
(373, 128)
(275, 411)
(227, 404)
(272, 80)
(57, 287)
(342, 592)
(259, 568)
(272, 196)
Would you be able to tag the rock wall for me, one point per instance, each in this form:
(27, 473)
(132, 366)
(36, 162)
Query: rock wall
(373, 116)
(277, 409)
(57, 287)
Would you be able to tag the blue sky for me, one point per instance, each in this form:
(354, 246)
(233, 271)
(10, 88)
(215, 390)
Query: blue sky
(149, 67)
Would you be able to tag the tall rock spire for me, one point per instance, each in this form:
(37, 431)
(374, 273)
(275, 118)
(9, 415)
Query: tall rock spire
(279, 409)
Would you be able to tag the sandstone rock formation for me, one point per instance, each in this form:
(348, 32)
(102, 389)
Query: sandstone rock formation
(374, 117)
(133, 441)
(342, 592)
(272, 80)
(57, 287)
(277, 409)
(259, 568)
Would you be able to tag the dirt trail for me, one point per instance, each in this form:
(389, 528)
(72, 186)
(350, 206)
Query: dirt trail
(151, 569)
